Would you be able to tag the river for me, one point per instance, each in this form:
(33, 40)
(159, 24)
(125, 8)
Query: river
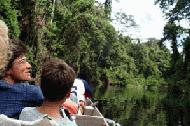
(139, 106)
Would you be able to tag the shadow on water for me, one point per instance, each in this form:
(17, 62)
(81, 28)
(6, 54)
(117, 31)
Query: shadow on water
(135, 106)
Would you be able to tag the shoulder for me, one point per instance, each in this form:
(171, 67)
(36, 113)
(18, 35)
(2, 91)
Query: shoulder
(26, 113)
(34, 93)
(29, 114)
(28, 109)
(2, 81)
(78, 82)
(34, 89)
(66, 122)
(3, 84)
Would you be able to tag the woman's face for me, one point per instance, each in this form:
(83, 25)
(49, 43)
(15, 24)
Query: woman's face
(20, 70)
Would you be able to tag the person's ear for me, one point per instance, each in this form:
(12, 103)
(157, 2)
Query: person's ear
(68, 94)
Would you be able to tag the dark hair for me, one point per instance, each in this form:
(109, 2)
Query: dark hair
(18, 49)
(57, 78)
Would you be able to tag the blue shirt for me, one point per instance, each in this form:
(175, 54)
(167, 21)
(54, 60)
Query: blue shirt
(14, 97)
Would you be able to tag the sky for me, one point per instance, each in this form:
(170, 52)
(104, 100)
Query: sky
(148, 17)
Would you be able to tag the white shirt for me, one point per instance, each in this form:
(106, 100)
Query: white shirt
(78, 91)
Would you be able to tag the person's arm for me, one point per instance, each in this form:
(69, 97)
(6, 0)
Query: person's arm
(71, 106)
(35, 95)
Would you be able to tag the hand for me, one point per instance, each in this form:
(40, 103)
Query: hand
(81, 103)
(71, 106)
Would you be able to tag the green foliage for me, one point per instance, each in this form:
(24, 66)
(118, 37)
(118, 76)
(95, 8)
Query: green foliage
(79, 32)
(171, 33)
(108, 8)
(9, 15)
(125, 21)
(82, 5)
(176, 9)
(186, 66)
(150, 59)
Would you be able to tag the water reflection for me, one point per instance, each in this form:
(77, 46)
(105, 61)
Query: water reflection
(135, 106)
(177, 106)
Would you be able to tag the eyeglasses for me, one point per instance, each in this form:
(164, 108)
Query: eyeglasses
(21, 61)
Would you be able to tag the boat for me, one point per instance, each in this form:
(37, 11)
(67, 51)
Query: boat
(91, 116)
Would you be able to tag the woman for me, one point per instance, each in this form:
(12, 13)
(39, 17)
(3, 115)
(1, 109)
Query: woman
(15, 92)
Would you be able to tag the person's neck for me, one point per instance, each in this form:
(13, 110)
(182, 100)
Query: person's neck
(51, 108)
(9, 79)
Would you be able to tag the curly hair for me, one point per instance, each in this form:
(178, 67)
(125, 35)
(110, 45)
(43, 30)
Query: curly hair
(18, 48)
(4, 46)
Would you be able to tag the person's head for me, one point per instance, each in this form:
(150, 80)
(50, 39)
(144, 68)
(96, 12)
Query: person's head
(76, 68)
(4, 46)
(17, 69)
(57, 78)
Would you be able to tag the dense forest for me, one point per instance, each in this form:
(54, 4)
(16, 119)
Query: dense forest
(81, 33)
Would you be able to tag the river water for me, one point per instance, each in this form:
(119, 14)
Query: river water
(139, 106)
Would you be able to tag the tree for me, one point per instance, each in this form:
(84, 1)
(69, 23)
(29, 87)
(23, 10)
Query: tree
(9, 14)
(108, 8)
(125, 21)
(176, 9)
(186, 66)
(171, 33)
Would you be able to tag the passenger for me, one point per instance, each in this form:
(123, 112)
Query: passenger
(88, 89)
(80, 91)
(56, 81)
(4, 46)
(15, 91)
